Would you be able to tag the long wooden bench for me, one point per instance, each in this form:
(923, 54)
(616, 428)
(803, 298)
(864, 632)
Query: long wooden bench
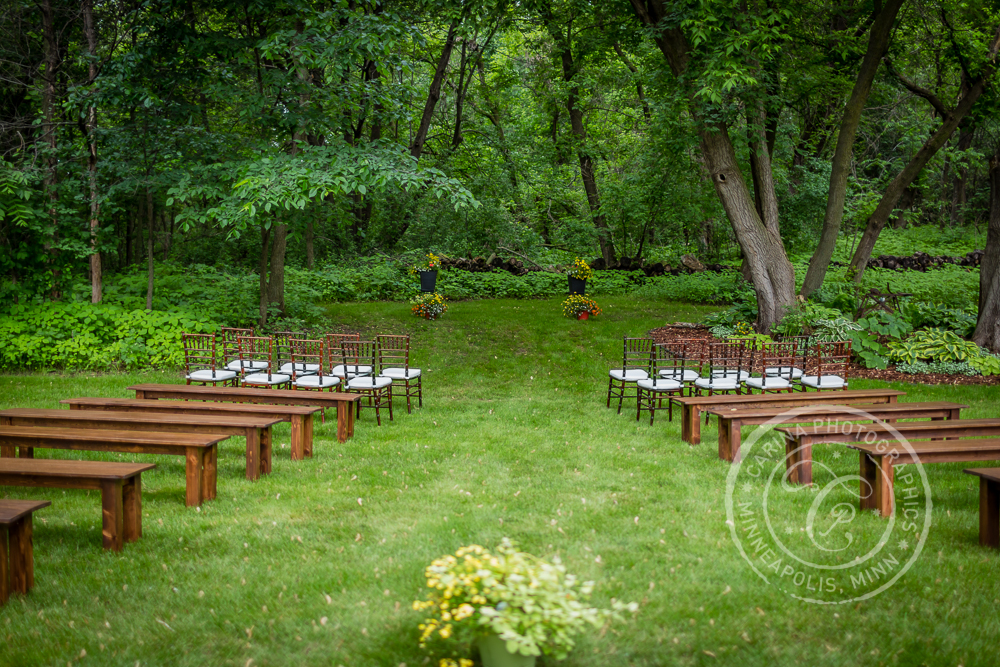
(693, 406)
(989, 505)
(878, 460)
(200, 452)
(800, 439)
(17, 558)
(300, 416)
(256, 430)
(730, 421)
(120, 485)
(344, 403)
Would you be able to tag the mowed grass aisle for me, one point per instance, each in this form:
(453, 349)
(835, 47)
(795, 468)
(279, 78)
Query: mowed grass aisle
(318, 563)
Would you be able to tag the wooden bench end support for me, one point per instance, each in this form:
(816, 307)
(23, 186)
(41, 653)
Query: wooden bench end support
(989, 513)
(112, 510)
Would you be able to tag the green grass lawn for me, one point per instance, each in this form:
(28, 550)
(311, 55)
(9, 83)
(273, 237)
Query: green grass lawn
(319, 563)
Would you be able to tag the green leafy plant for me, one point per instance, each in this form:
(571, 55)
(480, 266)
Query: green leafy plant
(933, 345)
(534, 605)
(800, 319)
(946, 367)
(887, 325)
(865, 346)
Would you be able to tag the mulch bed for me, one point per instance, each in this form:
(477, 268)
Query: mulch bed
(678, 330)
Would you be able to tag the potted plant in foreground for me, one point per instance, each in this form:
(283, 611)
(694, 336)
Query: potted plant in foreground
(580, 307)
(512, 605)
(430, 306)
(579, 274)
(427, 270)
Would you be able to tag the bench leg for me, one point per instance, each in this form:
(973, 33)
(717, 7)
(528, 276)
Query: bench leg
(307, 436)
(4, 568)
(26, 452)
(298, 438)
(7, 451)
(22, 560)
(266, 451)
(210, 478)
(132, 509)
(867, 473)
(253, 451)
(799, 461)
(194, 475)
(350, 424)
(881, 470)
(344, 414)
(989, 513)
(112, 514)
(690, 424)
(726, 428)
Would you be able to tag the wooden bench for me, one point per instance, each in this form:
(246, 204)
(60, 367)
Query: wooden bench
(256, 430)
(300, 416)
(800, 439)
(17, 559)
(120, 485)
(345, 403)
(199, 451)
(731, 420)
(879, 458)
(989, 505)
(693, 406)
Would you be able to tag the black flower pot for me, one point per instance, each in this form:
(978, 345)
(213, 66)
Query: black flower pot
(577, 286)
(427, 280)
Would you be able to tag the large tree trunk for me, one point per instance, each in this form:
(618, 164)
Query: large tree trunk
(987, 332)
(95, 254)
(51, 60)
(265, 239)
(878, 40)
(149, 249)
(434, 94)
(765, 259)
(894, 190)
(961, 180)
(276, 280)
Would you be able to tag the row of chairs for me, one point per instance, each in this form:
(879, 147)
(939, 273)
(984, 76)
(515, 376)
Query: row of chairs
(295, 360)
(651, 371)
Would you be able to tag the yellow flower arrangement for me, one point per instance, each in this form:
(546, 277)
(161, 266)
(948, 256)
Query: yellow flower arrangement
(580, 270)
(429, 263)
(534, 605)
(430, 306)
(577, 303)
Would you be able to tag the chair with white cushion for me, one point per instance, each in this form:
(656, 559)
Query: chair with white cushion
(635, 367)
(310, 367)
(283, 354)
(690, 356)
(831, 362)
(231, 350)
(200, 361)
(727, 363)
(801, 344)
(257, 352)
(378, 389)
(394, 360)
(334, 344)
(775, 368)
(664, 380)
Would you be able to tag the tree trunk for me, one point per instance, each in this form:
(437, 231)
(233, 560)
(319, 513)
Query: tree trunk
(961, 180)
(434, 94)
(265, 238)
(638, 83)
(96, 286)
(51, 60)
(149, 249)
(892, 193)
(987, 332)
(310, 251)
(878, 40)
(276, 280)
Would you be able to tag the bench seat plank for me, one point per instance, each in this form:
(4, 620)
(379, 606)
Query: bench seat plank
(693, 406)
(120, 485)
(17, 559)
(300, 416)
(256, 430)
(199, 451)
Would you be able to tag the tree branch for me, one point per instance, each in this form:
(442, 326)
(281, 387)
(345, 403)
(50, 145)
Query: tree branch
(920, 91)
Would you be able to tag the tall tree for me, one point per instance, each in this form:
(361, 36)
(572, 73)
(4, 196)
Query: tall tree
(987, 332)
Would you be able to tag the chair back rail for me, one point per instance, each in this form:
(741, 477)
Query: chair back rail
(260, 350)
(199, 353)
(306, 353)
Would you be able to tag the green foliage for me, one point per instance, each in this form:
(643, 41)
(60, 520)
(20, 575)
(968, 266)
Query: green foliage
(887, 325)
(801, 318)
(95, 337)
(946, 367)
(924, 315)
(865, 346)
(933, 345)
(756, 340)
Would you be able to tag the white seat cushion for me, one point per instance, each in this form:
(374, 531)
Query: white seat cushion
(631, 375)
(400, 373)
(206, 376)
(368, 382)
(785, 371)
(659, 384)
(769, 383)
(743, 375)
(237, 365)
(301, 367)
(261, 378)
(316, 382)
(717, 383)
(825, 382)
(686, 374)
(355, 370)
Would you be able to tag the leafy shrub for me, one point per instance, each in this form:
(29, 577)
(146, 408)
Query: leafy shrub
(924, 315)
(865, 346)
(724, 287)
(940, 345)
(888, 325)
(946, 367)
(801, 318)
(722, 330)
(89, 336)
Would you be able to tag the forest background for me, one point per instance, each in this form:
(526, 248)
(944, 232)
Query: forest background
(178, 165)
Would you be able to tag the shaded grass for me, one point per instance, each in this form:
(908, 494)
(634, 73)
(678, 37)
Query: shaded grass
(319, 562)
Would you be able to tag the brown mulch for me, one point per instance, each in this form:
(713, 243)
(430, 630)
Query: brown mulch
(680, 330)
